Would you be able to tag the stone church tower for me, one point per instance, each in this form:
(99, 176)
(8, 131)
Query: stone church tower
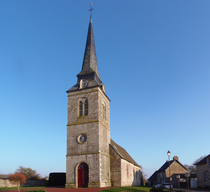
(88, 128)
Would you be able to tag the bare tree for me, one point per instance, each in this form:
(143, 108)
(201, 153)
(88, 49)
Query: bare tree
(30, 173)
(192, 168)
(143, 176)
(199, 159)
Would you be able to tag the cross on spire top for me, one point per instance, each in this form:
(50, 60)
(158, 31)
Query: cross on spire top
(91, 9)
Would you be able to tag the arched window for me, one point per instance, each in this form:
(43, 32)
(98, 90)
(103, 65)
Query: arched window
(80, 108)
(83, 107)
(86, 107)
(104, 111)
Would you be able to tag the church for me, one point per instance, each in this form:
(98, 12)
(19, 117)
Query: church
(93, 159)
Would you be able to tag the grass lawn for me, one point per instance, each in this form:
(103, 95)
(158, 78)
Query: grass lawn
(116, 189)
(15, 188)
(128, 189)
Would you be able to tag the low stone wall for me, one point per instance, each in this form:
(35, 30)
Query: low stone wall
(35, 183)
(29, 183)
(7, 183)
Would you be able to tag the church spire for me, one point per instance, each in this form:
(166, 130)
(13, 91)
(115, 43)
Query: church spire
(90, 64)
(89, 76)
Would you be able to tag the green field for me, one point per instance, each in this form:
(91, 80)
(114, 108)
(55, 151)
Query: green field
(115, 189)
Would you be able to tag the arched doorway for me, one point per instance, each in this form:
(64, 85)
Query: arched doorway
(83, 175)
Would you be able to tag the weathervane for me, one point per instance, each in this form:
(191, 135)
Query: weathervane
(91, 9)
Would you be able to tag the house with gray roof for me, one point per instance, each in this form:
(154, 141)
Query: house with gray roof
(203, 172)
(165, 172)
(153, 179)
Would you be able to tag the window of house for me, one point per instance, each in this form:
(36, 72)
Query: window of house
(160, 174)
(209, 161)
(206, 175)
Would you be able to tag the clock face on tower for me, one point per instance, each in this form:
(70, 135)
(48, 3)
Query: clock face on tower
(82, 138)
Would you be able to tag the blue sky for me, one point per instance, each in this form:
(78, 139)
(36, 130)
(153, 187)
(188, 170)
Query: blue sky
(153, 57)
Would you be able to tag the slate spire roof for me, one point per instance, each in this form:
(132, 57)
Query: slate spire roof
(89, 73)
(90, 64)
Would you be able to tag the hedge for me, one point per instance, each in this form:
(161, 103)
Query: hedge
(37, 190)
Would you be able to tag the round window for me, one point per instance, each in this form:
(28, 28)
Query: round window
(82, 138)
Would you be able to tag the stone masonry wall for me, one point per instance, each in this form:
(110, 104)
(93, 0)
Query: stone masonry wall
(104, 138)
(73, 162)
(29, 183)
(200, 175)
(95, 151)
(7, 183)
(93, 103)
(115, 168)
(175, 168)
(104, 162)
(130, 174)
(34, 183)
(123, 173)
(104, 100)
(92, 143)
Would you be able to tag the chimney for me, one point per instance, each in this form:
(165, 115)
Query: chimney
(176, 158)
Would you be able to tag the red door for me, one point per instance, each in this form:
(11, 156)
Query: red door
(83, 175)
